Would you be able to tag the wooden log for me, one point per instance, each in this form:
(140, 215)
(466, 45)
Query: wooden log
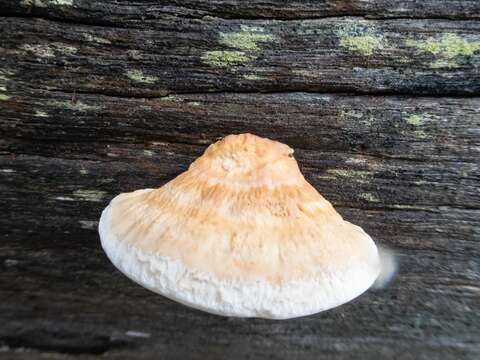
(413, 197)
(98, 98)
(134, 14)
(418, 128)
(72, 300)
(182, 55)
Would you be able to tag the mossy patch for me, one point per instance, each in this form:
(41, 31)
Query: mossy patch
(360, 38)
(246, 39)
(139, 76)
(226, 58)
(4, 97)
(447, 49)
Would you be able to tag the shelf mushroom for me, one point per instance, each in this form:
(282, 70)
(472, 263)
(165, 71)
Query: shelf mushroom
(240, 233)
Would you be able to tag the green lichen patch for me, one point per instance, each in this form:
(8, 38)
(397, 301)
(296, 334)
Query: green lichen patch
(449, 46)
(171, 98)
(64, 48)
(447, 49)
(226, 58)
(4, 97)
(369, 197)
(414, 119)
(417, 121)
(49, 50)
(246, 39)
(444, 63)
(43, 51)
(139, 76)
(420, 134)
(148, 153)
(360, 38)
(40, 113)
(96, 39)
(89, 195)
(251, 77)
(351, 114)
(75, 105)
(246, 45)
(366, 45)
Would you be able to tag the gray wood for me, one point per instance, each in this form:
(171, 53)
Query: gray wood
(173, 55)
(99, 98)
(133, 14)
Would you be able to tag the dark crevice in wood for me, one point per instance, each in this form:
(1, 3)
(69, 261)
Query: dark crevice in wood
(97, 23)
(385, 93)
(418, 208)
(110, 24)
(62, 342)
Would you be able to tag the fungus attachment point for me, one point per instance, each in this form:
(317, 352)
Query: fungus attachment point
(240, 233)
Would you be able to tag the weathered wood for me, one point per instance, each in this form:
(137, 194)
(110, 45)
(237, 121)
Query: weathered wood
(134, 14)
(51, 258)
(425, 204)
(418, 128)
(131, 93)
(210, 54)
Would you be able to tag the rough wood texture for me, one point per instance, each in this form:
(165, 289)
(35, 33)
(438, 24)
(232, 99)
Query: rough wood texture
(128, 13)
(84, 115)
(209, 54)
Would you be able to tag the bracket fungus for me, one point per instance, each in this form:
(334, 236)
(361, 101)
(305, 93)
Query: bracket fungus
(240, 233)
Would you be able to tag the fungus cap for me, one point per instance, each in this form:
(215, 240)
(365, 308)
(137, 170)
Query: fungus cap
(240, 233)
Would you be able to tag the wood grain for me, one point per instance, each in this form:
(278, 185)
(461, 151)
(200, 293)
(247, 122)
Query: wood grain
(379, 99)
(214, 55)
(409, 195)
(133, 14)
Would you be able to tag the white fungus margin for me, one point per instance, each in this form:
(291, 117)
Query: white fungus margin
(171, 278)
